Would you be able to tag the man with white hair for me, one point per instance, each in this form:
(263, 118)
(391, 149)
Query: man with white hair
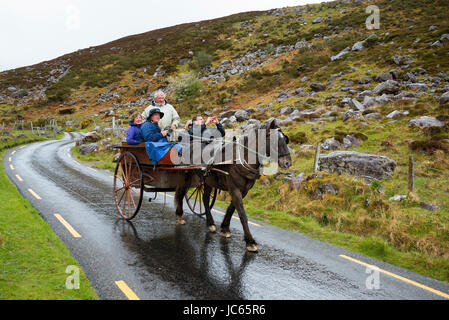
(171, 118)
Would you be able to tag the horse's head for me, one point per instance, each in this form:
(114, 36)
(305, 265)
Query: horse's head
(281, 153)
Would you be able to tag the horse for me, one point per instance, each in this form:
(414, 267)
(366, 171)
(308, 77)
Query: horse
(240, 178)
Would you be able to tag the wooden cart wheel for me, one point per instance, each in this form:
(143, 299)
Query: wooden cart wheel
(128, 185)
(194, 198)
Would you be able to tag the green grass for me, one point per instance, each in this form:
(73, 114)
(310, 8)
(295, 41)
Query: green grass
(33, 258)
(371, 246)
(101, 159)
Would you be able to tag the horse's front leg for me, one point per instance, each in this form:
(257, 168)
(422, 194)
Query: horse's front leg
(225, 231)
(206, 200)
(237, 200)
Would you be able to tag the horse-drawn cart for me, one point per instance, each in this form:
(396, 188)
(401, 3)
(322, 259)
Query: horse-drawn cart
(135, 174)
(198, 184)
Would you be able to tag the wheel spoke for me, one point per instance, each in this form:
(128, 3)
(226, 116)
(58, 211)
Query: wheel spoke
(125, 180)
(131, 183)
(121, 198)
(134, 203)
(129, 206)
(191, 195)
(196, 199)
(117, 190)
(124, 207)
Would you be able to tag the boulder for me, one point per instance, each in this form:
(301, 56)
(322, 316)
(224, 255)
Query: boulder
(352, 115)
(317, 87)
(364, 80)
(241, 115)
(226, 114)
(295, 182)
(428, 206)
(389, 86)
(384, 77)
(317, 20)
(226, 122)
(418, 86)
(358, 46)
(88, 148)
(340, 54)
(91, 137)
(373, 116)
(398, 197)
(357, 164)
(426, 121)
(355, 105)
(444, 99)
(330, 144)
(409, 77)
(397, 114)
(286, 110)
(395, 74)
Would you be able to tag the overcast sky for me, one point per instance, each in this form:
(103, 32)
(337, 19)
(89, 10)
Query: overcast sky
(32, 31)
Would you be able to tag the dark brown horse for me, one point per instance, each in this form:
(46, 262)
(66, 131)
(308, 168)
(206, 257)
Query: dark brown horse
(240, 179)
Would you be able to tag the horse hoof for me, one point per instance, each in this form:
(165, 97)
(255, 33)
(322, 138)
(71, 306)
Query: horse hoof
(226, 234)
(212, 228)
(251, 248)
(180, 221)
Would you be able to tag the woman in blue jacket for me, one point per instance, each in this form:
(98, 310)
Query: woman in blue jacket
(133, 135)
(155, 139)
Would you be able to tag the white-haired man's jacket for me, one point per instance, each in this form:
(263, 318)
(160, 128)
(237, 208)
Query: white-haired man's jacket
(170, 115)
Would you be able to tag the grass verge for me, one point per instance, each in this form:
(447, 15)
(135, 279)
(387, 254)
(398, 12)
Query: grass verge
(33, 258)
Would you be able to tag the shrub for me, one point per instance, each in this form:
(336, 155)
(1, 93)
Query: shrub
(185, 86)
(204, 60)
(86, 122)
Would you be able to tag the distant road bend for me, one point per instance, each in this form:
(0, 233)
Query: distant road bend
(155, 258)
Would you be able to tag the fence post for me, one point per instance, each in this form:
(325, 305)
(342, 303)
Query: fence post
(113, 126)
(411, 173)
(317, 157)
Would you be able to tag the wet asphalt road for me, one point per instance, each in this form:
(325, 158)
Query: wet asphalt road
(159, 259)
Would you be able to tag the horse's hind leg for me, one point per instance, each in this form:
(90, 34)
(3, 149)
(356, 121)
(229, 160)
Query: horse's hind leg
(206, 200)
(179, 198)
(227, 221)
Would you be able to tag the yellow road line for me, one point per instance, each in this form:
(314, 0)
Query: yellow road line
(11, 166)
(9, 159)
(445, 295)
(19, 178)
(67, 225)
(250, 222)
(126, 290)
(34, 194)
(12, 153)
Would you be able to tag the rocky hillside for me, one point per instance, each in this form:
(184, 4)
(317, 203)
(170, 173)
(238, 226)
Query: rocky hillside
(381, 93)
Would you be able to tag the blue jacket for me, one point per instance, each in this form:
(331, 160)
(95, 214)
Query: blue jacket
(133, 135)
(151, 132)
(155, 143)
